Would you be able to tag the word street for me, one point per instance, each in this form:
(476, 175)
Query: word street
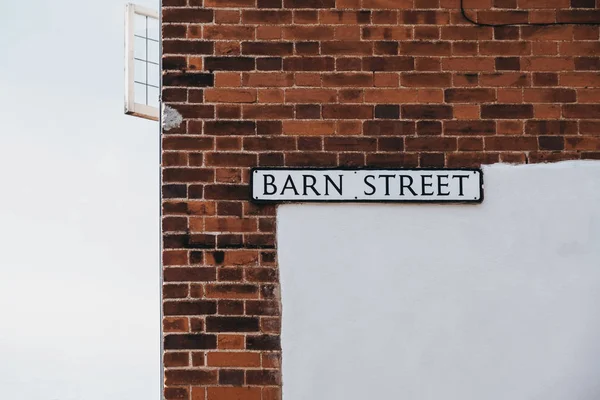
(417, 185)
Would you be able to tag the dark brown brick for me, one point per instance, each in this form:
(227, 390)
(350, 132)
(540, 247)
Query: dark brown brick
(226, 192)
(475, 128)
(269, 3)
(234, 377)
(390, 144)
(229, 128)
(174, 291)
(578, 16)
(263, 342)
(263, 377)
(430, 143)
(391, 160)
(269, 64)
(507, 111)
(350, 144)
(317, 159)
(347, 111)
(386, 48)
(188, 175)
(174, 191)
(551, 142)
(347, 80)
(176, 393)
(268, 127)
(508, 64)
(222, 159)
(267, 48)
(391, 63)
(469, 95)
(201, 307)
(308, 111)
(190, 377)
(429, 17)
(187, 15)
(545, 79)
(232, 324)
(309, 3)
(583, 3)
(389, 128)
(429, 127)
(432, 160)
(195, 341)
(307, 48)
(387, 111)
(587, 63)
(308, 64)
(426, 79)
(188, 79)
(266, 17)
(506, 33)
(501, 143)
(199, 274)
(550, 95)
(174, 62)
(346, 47)
(426, 112)
(589, 111)
(187, 47)
(229, 63)
(187, 142)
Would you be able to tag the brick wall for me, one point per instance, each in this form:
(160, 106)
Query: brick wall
(390, 83)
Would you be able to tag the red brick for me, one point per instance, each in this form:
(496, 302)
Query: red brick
(582, 143)
(507, 111)
(425, 79)
(550, 95)
(469, 95)
(391, 63)
(386, 33)
(590, 111)
(234, 393)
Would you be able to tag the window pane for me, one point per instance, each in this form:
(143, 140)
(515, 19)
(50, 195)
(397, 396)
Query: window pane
(153, 96)
(140, 93)
(139, 25)
(140, 71)
(139, 48)
(153, 51)
(153, 28)
(153, 75)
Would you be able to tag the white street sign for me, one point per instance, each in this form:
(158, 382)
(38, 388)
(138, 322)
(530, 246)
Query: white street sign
(364, 185)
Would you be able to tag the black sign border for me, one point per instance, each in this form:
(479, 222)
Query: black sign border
(257, 201)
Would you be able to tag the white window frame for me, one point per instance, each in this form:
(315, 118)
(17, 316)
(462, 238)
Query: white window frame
(131, 107)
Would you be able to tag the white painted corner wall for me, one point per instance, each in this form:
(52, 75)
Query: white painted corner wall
(497, 301)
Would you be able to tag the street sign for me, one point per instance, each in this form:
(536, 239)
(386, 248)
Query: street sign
(366, 185)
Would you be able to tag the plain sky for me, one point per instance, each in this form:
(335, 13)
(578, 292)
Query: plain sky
(79, 209)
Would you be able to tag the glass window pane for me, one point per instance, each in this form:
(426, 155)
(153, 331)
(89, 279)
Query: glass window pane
(153, 75)
(139, 48)
(139, 25)
(153, 96)
(153, 28)
(140, 72)
(153, 51)
(140, 93)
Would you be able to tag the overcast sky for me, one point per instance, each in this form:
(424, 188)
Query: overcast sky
(79, 233)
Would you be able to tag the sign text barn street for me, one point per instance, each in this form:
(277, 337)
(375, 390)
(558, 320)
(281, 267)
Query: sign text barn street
(363, 185)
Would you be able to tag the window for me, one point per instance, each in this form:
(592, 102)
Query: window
(142, 62)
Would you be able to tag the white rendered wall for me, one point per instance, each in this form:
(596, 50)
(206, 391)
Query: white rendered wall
(498, 301)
